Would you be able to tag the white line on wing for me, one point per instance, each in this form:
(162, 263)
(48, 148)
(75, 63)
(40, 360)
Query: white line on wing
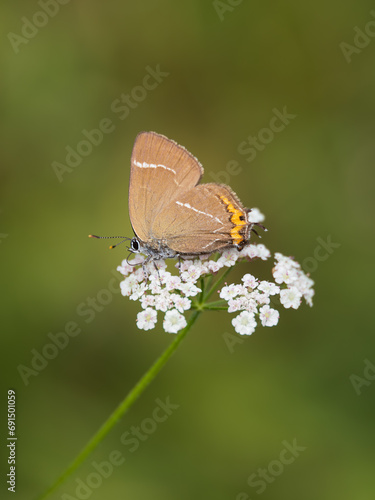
(152, 165)
(211, 243)
(187, 205)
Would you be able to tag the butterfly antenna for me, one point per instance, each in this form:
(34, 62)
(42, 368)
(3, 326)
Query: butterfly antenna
(110, 237)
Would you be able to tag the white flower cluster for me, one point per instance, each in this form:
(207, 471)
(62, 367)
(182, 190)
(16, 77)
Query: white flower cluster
(172, 294)
(162, 292)
(253, 297)
(287, 271)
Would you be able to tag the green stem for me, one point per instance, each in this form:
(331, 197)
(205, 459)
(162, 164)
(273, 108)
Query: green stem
(123, 406)
(217, 283)
(203, 287)
(208, 307)
(210, 280)
(217, 305)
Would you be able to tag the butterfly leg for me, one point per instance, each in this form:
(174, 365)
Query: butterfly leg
(157, 270)
(259, 225)
(145, 272)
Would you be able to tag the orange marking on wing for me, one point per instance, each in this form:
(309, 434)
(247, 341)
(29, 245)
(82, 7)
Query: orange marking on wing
(236, 220)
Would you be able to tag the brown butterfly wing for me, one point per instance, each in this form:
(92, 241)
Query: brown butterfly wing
(161, 172)
(203, 219)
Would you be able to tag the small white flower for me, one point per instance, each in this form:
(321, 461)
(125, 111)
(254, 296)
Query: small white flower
(261, 298)
(268, 287)
(214, 266)
(291, 262)
(193, 269)
(138, 291)
(235, 305)
(308, 297)
(230, 291)
(160, 264)
(164, 276)
(249, 304)
(283, 274)
(183, 264)
(304, 285)
(229, 257)
(173, 321)
(263, 252)
(189, 289)
(255, 215)
(287, 261)
(280, 257)
(154, 284)
(268, 316)
(146, 319)
(173, 283)
(244, 323)
(249, 281)
(192, 274)
(128, 285)
(250, 251)
(163, 301)
(147, 301)
(201, 265)
(290, 297)
(180, 303)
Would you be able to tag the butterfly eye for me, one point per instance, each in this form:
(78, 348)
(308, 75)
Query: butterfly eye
(134, 245)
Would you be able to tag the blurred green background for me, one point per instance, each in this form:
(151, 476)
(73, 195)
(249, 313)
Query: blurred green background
(226, 67)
